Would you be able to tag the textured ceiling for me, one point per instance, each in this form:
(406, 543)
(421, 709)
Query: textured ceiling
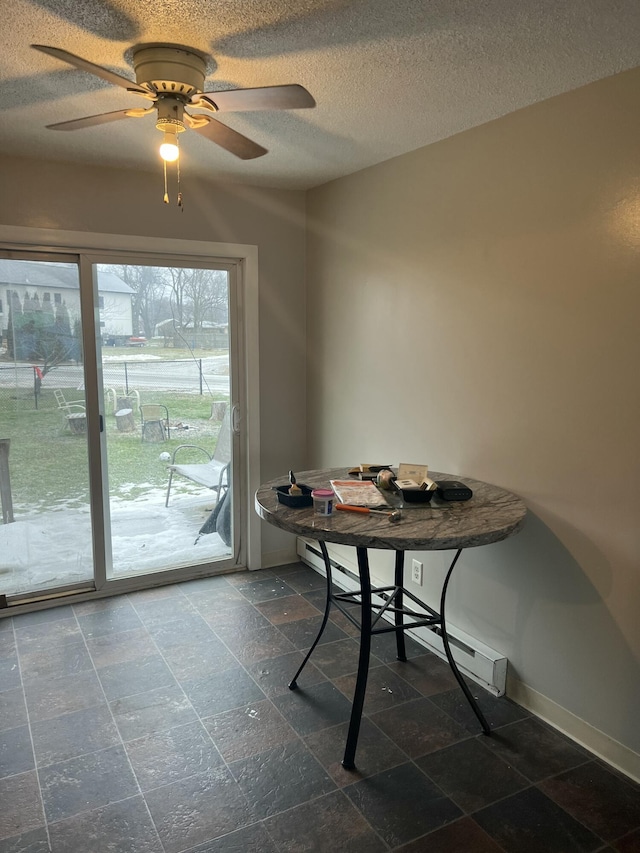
(388, 76)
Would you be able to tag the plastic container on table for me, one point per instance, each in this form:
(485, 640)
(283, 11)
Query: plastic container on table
(323, 501)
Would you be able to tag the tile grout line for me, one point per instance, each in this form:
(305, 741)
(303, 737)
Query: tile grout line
(122, 743)
(338, 789)
(198, 718)
(267, 698)
(33, 749)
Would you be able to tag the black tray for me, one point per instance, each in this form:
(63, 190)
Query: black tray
(295, 501)
(415, 496)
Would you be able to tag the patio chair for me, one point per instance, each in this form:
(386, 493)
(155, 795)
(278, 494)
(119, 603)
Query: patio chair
(214, 473)
(113, 394)
(155, 422)
(69, 408)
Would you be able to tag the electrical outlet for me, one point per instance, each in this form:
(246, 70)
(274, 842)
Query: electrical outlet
(416, 572)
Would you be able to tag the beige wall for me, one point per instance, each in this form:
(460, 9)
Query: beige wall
(474, 305)
(81, 198)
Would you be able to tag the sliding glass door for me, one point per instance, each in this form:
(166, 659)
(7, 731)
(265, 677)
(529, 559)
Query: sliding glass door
(46, 539)
(164, 359)
(118, 429)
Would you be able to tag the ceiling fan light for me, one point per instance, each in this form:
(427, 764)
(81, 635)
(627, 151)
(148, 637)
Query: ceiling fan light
(169, 150)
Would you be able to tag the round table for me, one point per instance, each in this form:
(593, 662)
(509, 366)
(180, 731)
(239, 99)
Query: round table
(492, 514)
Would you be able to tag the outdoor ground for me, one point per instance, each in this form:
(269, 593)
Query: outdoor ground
(50, 542)
(51, 548)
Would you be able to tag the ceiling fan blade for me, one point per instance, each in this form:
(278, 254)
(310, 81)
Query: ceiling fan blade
(290, 97)
(85, 65)
(92, 121)
(228, 139)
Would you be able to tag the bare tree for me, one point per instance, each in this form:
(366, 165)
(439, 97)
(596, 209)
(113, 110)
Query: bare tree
(206, 293)
(177, 281)
(188, 296)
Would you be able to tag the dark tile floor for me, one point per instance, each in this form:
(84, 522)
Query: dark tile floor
(161, 722)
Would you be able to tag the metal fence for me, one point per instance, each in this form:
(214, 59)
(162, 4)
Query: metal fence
(179, 375)
(21, 385)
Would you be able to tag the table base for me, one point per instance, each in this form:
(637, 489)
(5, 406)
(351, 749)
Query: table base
(397, 601)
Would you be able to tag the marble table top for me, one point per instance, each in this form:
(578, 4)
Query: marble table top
(492, 514)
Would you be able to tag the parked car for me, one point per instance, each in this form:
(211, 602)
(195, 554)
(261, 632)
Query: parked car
(137, 342)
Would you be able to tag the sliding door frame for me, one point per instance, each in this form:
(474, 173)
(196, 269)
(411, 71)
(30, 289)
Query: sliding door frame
(241, 262)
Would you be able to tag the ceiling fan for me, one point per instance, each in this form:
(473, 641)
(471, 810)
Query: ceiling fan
(172, 78)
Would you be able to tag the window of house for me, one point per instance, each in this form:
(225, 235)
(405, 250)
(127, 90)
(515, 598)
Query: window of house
(57, 298)
(100, 301)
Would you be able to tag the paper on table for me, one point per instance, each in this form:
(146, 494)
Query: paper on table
(358, 493)
(407, 471)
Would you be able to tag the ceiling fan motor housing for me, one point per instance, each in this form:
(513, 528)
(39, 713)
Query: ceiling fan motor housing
(170, 114)
(169, 70)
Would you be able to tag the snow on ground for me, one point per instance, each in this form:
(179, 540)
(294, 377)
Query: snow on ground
(129, 357)
(51, 548)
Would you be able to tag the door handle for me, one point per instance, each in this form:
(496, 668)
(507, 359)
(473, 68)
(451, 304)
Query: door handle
(235, 419)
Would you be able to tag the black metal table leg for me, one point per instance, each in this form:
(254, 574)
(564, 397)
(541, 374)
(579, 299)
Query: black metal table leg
(445, 641)
(327, 607)
(348, 762)
(366, 624)
(399, 616)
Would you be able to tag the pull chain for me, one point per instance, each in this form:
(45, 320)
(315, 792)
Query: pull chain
(166, 194)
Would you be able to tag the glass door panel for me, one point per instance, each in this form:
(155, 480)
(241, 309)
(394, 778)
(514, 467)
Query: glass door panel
(45, 529)
(165, 370)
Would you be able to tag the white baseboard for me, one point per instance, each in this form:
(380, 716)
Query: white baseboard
(478, 662)
(600, 744)
(489, 669)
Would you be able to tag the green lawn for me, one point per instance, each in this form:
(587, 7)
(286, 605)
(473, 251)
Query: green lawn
(48, 465)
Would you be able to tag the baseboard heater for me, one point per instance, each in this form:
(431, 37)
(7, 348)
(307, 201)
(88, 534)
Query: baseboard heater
(478, 662)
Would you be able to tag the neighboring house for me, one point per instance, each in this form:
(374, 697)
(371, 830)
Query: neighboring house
(57, 283)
